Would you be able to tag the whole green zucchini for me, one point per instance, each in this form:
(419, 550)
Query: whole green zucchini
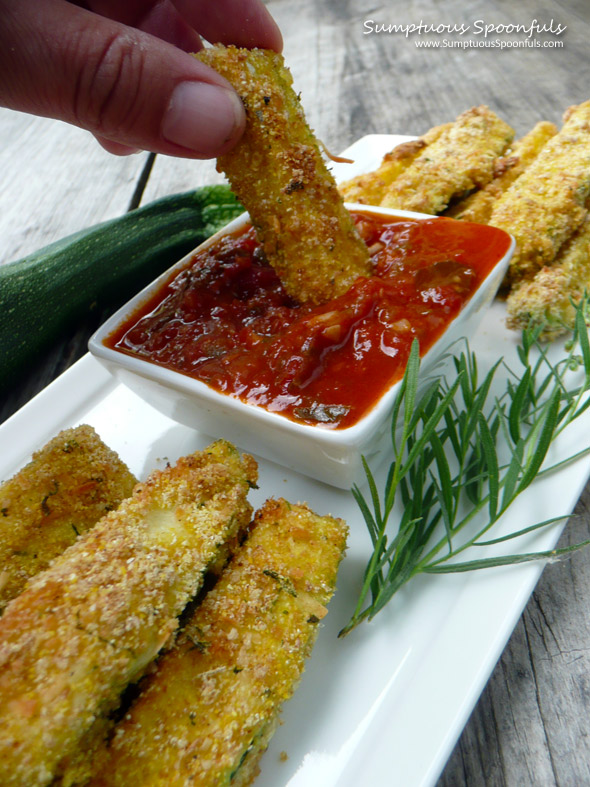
(44, 294)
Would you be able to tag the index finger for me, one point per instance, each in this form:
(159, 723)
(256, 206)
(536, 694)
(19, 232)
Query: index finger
(245, 23)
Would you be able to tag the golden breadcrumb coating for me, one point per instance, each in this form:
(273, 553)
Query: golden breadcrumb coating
(548, 298)
(461, 159)
(90, 623)
(206, 713)
(369, 188)
(547, 202)
(478, 206)
(277, 172)
(66, 488)
(77, 767)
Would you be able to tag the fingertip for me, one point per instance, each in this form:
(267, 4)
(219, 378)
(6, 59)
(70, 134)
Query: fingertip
(275, 37)
(245, 23)
(116, 148)
(203, 118)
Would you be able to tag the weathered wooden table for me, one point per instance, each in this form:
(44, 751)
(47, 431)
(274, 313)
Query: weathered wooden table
(531, 726)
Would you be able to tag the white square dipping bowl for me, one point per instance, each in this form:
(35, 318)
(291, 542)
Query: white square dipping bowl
(330, 455)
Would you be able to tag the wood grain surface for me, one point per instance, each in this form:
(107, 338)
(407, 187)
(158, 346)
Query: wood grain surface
(532, 723)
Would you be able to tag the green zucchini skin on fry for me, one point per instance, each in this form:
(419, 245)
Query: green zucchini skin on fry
(44, 294)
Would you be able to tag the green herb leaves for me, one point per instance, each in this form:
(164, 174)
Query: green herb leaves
(461, 455)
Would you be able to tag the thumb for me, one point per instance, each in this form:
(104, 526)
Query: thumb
(123, 85)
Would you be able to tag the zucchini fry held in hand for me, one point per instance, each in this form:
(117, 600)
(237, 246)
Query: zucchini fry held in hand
(546, 205)
(461, 159)
(68, 486)
(88, 625)
(205, 715)
(278, 174)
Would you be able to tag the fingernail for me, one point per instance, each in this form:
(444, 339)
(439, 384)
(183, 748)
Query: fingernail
(202, 117)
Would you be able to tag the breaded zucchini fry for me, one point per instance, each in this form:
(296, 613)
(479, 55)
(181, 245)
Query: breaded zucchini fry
(277, 172)
(89, 624)
(547, 203)
(478, 206)
(207, 712)
(68, 486)
(548, 298)
(369, 188)
(461, 159)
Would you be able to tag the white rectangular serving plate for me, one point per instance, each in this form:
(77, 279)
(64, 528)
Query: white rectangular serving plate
(385, 705)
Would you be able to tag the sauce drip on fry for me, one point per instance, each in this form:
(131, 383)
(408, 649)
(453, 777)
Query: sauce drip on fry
(225, 319)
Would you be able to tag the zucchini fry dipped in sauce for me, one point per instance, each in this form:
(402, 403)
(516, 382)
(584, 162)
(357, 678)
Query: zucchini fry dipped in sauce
(207, 712)
(370, 188)
(546, 205)
(278, 174)
(461, 159)
(88, 625)
(65, 489)
(477, 207)
(549, 298)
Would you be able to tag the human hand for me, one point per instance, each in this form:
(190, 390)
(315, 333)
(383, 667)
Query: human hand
(122, 70)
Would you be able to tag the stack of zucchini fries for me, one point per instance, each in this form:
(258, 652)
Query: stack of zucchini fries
(99, 684)
(537, 189)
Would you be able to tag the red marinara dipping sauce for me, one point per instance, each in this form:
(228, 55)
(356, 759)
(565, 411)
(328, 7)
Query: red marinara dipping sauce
(225, 319)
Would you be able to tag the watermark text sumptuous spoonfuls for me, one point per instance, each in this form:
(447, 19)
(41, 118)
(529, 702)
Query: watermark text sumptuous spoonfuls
(475, 34)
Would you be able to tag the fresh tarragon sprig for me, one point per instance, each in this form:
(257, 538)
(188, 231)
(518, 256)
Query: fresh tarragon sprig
(461, 455)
